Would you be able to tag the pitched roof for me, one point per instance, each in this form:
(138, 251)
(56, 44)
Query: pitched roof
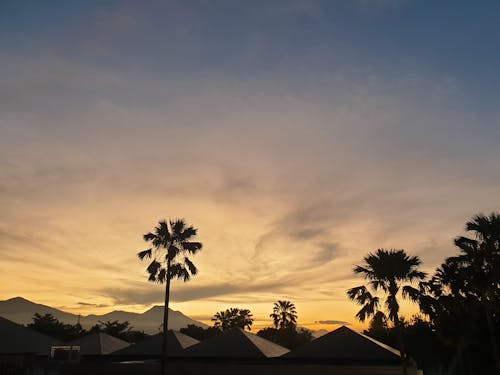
(176, 342)
(346, 344)
(235, 343)
(99, 343)
(16, 339)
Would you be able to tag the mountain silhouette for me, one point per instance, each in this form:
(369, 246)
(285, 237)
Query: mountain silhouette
(21, 310)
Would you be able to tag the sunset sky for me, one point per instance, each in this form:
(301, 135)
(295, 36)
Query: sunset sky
(297, 136)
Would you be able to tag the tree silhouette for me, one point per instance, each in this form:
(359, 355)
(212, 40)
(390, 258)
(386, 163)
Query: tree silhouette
(171, 242)
(288, 337)
(465, 290)
(200, 333)
(51, 326)
(378, 325)
(284, 314)
(387, 270)
(233, 318)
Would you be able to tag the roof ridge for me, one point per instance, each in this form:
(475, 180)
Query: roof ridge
(381, 344)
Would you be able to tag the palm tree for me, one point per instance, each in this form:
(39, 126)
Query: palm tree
(233, 318)
(284, 314)
(171, 242)
(387, 270)
(478, 268)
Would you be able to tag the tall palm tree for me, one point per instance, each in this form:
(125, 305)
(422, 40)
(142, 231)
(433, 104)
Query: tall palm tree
(284, 314)
(387, 270)
(170, 245)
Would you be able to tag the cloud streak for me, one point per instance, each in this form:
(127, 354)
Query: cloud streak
(331, 321)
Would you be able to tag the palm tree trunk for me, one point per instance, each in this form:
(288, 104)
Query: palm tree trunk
(493, 341)
(165, 322)
(401, 345)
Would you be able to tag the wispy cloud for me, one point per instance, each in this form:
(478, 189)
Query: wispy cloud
(331, 321)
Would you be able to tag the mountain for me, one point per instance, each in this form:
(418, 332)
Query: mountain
(21, 311)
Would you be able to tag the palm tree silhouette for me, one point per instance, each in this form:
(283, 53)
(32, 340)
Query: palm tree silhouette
(387, 270)
(170, 241)
(233, 318)
(479, 266)
(464, 290)
(284, 315)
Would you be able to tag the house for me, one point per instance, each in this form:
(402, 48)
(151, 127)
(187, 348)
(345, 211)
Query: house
(236, 343)
(152, 346)
(99, 343)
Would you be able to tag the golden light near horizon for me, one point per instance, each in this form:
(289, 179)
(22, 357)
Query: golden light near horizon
(277, 131)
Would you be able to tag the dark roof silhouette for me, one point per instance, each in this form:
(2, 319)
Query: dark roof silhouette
(99, 343)
(16, 339)
(176, 342)
(235, 343)
(346, 344)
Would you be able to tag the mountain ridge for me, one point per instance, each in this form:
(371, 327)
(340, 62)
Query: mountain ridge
(21, 310)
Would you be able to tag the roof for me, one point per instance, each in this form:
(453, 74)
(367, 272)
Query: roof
(235, 343)
(176, 342)
(99, 343)
(16, 339)
(346, 344)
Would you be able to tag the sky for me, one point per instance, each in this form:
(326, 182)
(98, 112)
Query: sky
(296, 136)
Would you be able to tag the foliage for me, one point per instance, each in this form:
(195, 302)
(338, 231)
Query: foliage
(285, 332)
(200, 333)
(51, 326)
(386, 270)
(233, 318)
(170, 244)
(421, 343)
(463, 296)
(122, 330)
(288, 337)
(378, 325)
(284, 315)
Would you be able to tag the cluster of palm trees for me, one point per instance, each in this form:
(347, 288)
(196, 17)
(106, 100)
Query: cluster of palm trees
(464, 290)
(233, 318)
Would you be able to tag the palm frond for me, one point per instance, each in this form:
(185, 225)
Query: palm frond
(187, 233)
(355, 292)
(367, 273)
(192, 268)
(144, 253)
(368, 309)
(361, 295)
(177, 227)
(415, 275)
(191, 247)
(178, 271)
(153, 267)
(161, 278)
(379, 284)
(411, 293)
(173, 251)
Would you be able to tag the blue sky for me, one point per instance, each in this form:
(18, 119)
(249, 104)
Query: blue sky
(297, 136)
